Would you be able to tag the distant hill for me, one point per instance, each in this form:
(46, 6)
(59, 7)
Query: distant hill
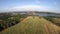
(33, 13)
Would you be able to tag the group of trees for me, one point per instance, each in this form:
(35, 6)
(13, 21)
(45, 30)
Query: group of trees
(10, 20)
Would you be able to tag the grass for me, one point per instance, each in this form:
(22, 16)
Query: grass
(54, 20)
(32, 25)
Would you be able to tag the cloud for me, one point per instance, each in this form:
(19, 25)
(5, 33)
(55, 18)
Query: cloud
(29, 8)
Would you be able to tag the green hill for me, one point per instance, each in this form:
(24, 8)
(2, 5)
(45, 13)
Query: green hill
(33, 25)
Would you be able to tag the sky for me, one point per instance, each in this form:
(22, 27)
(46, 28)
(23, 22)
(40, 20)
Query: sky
(30, 5)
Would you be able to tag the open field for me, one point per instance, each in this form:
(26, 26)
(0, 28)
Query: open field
(33, 25)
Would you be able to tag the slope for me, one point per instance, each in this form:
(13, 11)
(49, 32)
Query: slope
(32, 25)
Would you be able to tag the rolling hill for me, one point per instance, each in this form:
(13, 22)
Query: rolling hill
(33, 25)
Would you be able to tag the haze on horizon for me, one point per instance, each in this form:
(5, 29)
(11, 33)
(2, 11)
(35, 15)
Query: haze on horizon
(30, 5)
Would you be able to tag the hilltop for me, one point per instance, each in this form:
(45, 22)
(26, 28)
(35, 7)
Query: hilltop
(33, 25)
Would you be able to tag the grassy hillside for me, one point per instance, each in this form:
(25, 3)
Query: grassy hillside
(33, 25)
(53, 19)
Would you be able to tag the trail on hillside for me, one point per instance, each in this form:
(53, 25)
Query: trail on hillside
(33, 25)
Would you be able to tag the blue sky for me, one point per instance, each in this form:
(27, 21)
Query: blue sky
(22, 5)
